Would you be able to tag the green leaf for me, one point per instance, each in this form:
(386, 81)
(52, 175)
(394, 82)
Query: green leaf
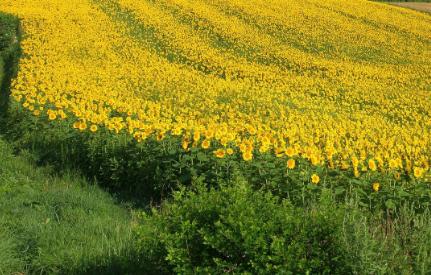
(202, 157)
(390, 204)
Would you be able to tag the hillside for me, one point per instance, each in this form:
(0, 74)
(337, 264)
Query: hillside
(246, 136)
(348, 77)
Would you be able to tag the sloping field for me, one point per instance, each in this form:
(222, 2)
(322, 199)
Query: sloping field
(340, 83)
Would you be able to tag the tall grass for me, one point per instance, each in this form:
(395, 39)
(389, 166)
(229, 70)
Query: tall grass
(61, 224)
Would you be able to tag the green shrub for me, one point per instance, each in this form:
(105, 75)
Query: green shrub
(238, 230)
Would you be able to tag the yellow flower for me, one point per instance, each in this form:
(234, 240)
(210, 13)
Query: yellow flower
(315, 179)
(356, 172)
(290, 152)
(291, 163)
(177, 131)
(397, 175)
(227, 97)
(160, 136)
(247, 156)
(220, 153)
(263, 149)
(93, 128)
(82, 126)
(196, 136)
(417, 172)
(376, 186)
(372, 165)
(185, 145)
(206, 144)
(36, 112)
(229, 151)
(52, 116)
(279, 152)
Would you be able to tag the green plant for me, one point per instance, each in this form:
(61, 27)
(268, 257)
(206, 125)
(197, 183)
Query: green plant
(235, 229)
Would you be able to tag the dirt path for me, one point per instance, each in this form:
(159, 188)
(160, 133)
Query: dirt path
(416, 6)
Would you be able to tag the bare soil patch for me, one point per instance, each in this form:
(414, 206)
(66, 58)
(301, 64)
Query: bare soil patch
(426, 7)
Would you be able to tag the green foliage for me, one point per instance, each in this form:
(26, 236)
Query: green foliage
(382, 243)
(150, 170)
(9, 257)
(58, 225)
(235, 229)
(9, 52)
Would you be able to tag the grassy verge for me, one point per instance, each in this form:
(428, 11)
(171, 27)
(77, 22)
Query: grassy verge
(57, 224)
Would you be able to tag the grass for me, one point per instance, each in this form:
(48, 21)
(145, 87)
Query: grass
(51, 224)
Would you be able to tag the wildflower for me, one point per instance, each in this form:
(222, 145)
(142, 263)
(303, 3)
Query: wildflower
(160, 136)
(177, 131)
(263, 149)
(397, 175)
(356, 172)
(196, 136)
(229, 151)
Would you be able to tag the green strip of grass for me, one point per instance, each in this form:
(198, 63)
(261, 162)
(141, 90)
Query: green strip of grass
(57, 224)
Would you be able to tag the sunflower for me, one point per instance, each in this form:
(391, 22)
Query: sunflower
(93, 128)
(206, 144)
(247, 156)
(291, 164)
(376, 186)
(315, 179)
(372, 165)
(220, 153)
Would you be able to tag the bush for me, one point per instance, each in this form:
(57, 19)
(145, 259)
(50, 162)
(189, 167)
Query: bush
(238, 230)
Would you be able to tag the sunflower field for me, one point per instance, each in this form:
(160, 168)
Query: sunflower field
(351, 91)
(291, 96)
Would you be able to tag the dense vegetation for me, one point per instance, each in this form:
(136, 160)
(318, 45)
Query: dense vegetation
(282, 153)
(53, 223)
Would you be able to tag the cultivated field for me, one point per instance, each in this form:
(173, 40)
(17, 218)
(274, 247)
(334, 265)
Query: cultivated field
(285, 108)
(239, 76)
